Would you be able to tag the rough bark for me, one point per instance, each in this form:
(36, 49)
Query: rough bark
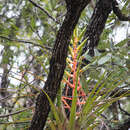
(59, 54)
(57, 63)
(97, 22)
(4, 78)
(118, 12)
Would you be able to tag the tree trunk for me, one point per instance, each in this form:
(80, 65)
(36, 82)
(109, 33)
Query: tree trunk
(97, 24)
(59, 54)
(98, 20)
(57, 63)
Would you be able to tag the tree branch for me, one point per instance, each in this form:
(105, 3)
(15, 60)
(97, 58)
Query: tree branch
(24, 41)
(5, 98)
(118, 12)
(125, 112)
(42, 9)
(98, 20)
(96, 25)
(57, 63)
(17, 112)
(14, 122)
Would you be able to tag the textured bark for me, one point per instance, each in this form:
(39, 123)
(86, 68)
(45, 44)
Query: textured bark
(118, 12)
(58, 60)
(97, 23)
(57, 63)
(4, 78)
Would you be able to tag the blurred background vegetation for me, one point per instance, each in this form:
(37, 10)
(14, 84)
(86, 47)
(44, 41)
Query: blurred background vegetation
(27, 35)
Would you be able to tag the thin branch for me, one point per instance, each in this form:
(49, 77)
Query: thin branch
(15, 122)
(17, 112)
(5, 98)
(118, 12)
(125, 112)
(36, 5)
(24, 41)
(35, 32)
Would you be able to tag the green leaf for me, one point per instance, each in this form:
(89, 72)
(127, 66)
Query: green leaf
(80, 48)
(82, 34)
(74, 104)
(92, 97)
(122, 43)
(53, 4)
(53, 108)
(84, 84)
(104, 59)
(88, 57)
(75, 33)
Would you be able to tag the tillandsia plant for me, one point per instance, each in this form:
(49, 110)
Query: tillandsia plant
(72, 79)
(82, 103)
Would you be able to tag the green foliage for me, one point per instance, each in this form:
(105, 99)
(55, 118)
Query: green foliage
(98, 94)
(26, 65)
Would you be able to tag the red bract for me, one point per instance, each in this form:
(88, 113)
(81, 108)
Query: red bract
(70, 82)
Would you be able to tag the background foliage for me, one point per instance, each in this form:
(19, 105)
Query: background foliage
(27, 35)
